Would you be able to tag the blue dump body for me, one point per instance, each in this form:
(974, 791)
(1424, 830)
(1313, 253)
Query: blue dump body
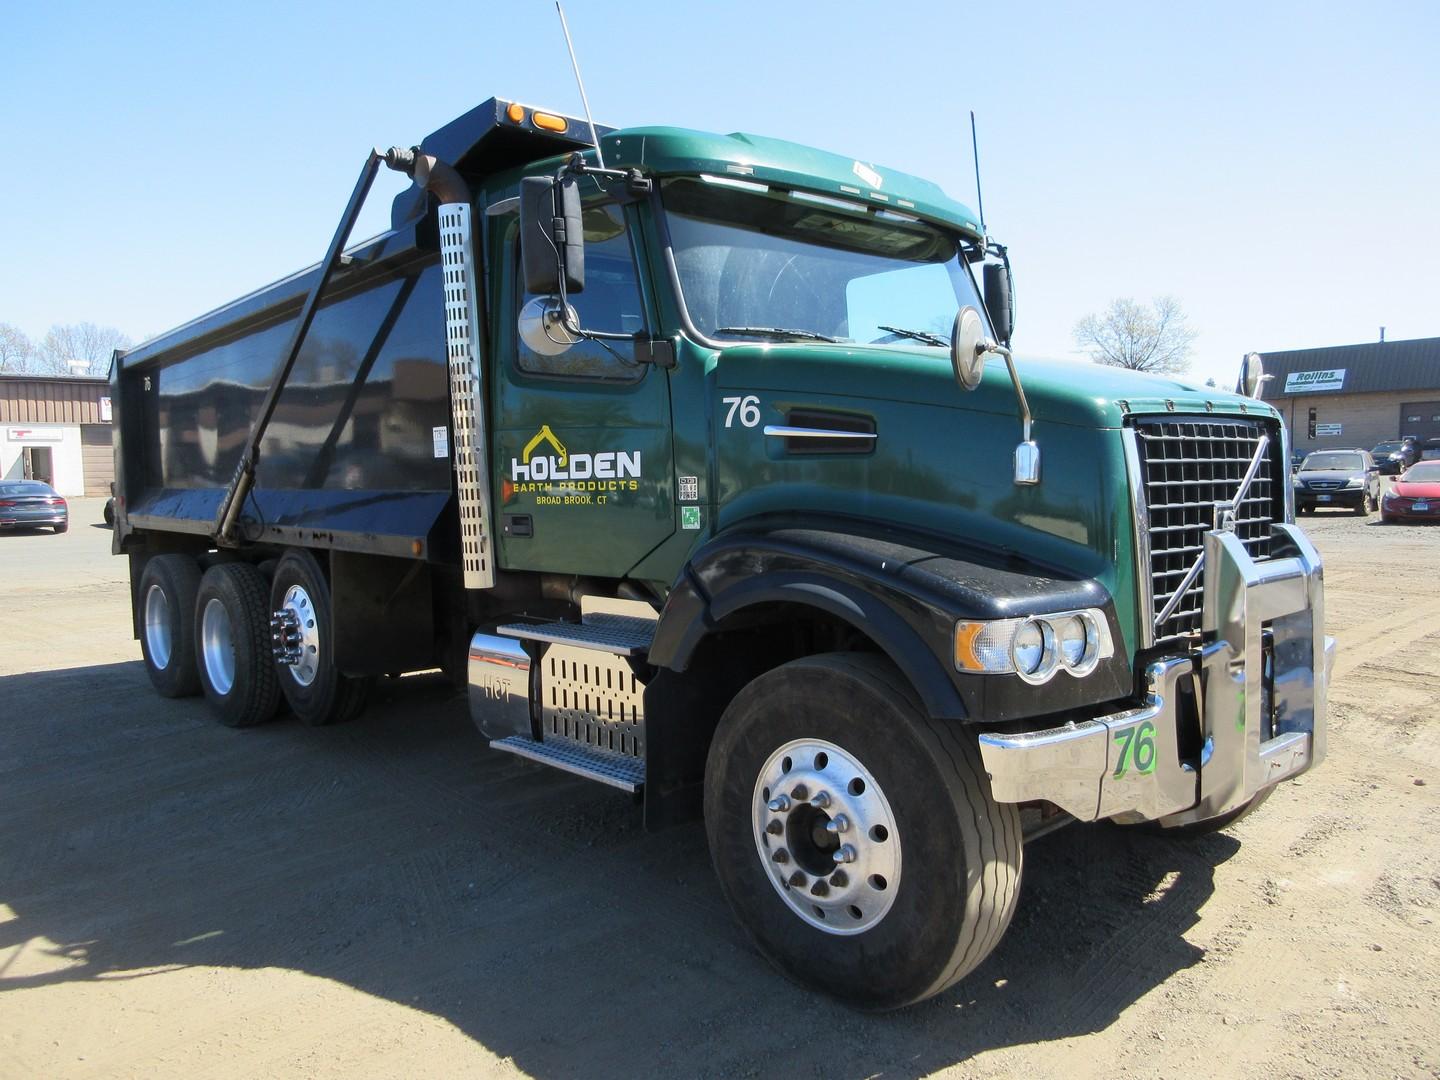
(357, 455)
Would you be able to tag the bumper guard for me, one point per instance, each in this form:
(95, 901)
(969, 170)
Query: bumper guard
(1127, 765)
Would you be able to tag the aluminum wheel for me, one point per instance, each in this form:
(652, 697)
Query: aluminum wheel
(217, 646)
(157, 626)
(827, 837)
(297, 620)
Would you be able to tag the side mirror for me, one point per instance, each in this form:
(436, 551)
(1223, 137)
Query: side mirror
(552, 238)
(999, 300)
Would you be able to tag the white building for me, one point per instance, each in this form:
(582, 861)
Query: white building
(57, 430)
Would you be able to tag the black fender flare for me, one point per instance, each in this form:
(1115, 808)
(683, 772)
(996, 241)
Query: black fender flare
(900, 592)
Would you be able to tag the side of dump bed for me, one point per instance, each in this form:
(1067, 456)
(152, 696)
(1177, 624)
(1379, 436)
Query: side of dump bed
(357, 455)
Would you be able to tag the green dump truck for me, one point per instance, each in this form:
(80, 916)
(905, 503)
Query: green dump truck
(703, 461)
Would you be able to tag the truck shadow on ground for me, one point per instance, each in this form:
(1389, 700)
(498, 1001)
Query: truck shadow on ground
(400, 856)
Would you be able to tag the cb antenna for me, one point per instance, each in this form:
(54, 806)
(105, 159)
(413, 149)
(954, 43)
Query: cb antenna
(974, 150)
(595, 139)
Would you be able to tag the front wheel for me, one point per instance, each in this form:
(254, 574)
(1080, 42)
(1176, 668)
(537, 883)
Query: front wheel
(854, 837)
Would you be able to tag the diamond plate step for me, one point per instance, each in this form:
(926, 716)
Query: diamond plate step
(617, 770)
(619, 635)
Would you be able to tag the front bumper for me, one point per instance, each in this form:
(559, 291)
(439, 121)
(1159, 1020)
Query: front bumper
(1127, 765)
(1337, 497)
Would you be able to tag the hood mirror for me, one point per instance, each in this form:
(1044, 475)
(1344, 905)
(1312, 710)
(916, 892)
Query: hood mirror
(968, 347)
(1252, 375)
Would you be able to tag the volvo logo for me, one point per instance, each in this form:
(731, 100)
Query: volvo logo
(1224, 517)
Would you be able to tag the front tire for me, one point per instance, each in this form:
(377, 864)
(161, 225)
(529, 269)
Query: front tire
(166, 608)
(232, 621)
(841, 735)
(316, 690)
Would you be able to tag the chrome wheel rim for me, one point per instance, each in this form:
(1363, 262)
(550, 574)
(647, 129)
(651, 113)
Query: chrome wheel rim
(826, 836)
(217, 646)
(157, 626)
(297, 602)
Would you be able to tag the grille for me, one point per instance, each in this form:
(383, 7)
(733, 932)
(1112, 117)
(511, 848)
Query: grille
(1187, 467)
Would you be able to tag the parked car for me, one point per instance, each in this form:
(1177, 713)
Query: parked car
(1430, 450)
(1347, 478)
(32, 504)
(1296, 460)
(1396, 456)
(1415, 496)
(109, 512)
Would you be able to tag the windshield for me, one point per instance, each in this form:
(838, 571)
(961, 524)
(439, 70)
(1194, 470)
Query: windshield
(1317, 462)
(1386, 448)
(764, 264)
(1426, 472)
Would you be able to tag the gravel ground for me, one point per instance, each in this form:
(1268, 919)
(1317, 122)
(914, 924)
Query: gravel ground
(390, 898)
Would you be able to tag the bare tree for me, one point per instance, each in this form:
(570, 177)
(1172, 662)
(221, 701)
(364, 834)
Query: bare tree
(15, 349)
(79, 349)
(1130, 335)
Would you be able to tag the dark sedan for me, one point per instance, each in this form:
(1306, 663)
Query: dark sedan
(1415, 496)
(1396, 456)
(30, 504)
(1345, 478)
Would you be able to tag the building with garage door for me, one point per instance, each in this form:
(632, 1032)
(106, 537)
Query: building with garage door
(57, 430)
(1357, 395)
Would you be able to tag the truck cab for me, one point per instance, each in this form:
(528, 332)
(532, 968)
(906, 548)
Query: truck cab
(704, 461)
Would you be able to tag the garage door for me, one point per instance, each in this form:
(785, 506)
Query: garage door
(1421, 419)
(97, 458)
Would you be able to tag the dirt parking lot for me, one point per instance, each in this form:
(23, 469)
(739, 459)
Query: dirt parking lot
(390, 898)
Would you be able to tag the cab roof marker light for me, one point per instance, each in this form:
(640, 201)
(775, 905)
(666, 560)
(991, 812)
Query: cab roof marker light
(515, 112)
(850, 190)
(905, 203)
(828, 200)
(549, 121)
(895, 215)
(731, 182)
(741, 170)
(877, 195)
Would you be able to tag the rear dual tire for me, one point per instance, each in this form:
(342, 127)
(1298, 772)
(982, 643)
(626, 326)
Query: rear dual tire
(951, 898)
(166, 609)
(314, 687)
(232, 620)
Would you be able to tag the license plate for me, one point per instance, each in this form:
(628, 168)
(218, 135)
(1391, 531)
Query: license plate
(1421, 505)
(1323, 498)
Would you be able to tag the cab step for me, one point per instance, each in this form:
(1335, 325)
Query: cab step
(618, 770)
(619, 635)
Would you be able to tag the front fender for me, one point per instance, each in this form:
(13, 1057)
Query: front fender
(904, 597)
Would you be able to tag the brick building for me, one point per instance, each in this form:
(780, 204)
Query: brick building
(57, 430)
(1357, 395)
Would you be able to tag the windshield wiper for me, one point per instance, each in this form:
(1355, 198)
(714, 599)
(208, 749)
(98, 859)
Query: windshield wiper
(775, 331)
(915, 335)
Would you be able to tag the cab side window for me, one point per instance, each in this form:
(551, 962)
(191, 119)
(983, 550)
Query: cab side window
(611, 302)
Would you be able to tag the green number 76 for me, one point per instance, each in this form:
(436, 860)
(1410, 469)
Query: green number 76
(1137, 747)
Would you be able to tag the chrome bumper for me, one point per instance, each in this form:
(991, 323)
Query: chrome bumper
(1127, 765)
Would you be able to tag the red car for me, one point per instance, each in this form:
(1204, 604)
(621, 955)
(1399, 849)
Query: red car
(1415, 496)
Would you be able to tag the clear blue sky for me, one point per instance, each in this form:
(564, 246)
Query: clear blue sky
(1275, 166)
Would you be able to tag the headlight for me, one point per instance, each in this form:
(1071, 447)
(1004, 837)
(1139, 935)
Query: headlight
(1355, 482)
(1034, 648)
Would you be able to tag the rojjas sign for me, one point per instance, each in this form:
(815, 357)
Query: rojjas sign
(1301, 382)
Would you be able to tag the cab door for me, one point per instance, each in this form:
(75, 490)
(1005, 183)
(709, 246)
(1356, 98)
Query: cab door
(583, 462)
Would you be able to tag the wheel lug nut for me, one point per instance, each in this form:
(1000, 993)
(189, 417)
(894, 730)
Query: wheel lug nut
(800, 793)
(821, 799)
(774, 828)
(819, 889)
(797, 880)
(779, 804)
(845, 853)
(781, 855)
(839, 879)
(838, 824)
